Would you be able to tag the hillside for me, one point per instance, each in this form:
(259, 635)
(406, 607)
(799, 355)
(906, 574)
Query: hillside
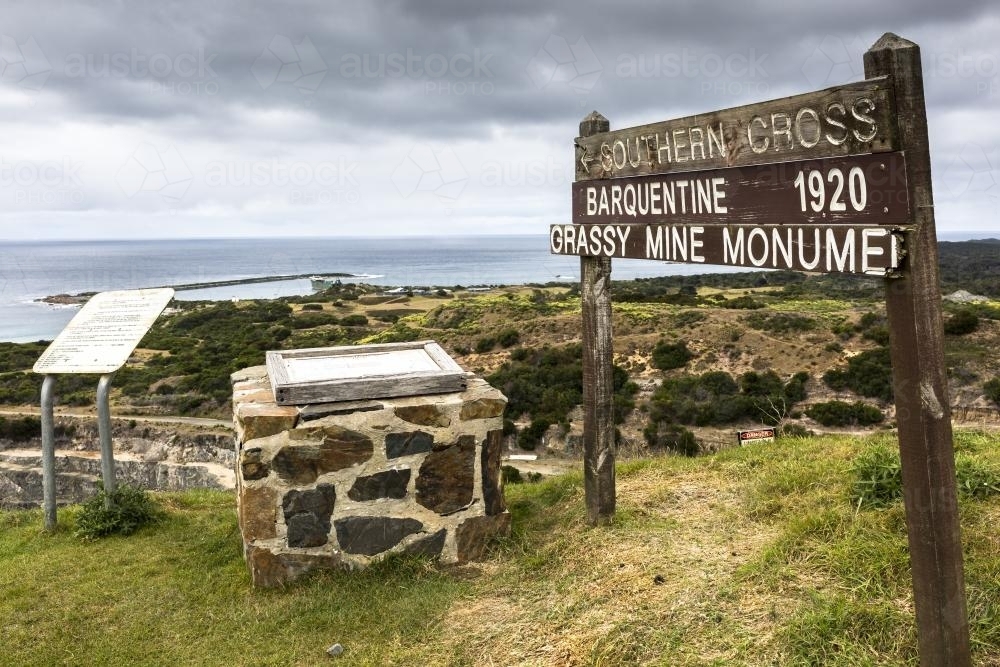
(752, 556)
(688, 348)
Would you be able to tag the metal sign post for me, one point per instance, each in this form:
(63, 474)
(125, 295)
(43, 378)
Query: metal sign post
(833, 181)
(99, 339)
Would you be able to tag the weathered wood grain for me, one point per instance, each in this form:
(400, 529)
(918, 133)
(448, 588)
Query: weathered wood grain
(598, 416)
(845, 249)
(759, 194)
(442, 376)
(850, 119)
(913, 302)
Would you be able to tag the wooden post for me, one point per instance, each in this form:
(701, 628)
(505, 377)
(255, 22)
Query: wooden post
(598, 383)
(923, 414)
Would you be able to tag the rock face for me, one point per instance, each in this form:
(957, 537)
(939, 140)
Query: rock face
(344, 484)
(388, 484)
(447, 476)
(313, 452)
(307, 515)
(370, 535)
(407, 444)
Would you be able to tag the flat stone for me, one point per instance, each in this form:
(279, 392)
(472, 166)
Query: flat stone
(425, 414)
(253, 394)
(318, 501)
(307, 515)
(446, 477)
(258, 513)
(482, 408)
(319, 410)
(388, 484)
(269, 570)
(251, 373)
(492, 482)
(306, 530)
(405, 444)
(370, 535)
(474, 535)
(259, 420)
(315, 451)
(429, 546)
(252, 466)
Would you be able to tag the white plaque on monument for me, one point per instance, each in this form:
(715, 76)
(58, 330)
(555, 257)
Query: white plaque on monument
(354, 372)
(100, 338)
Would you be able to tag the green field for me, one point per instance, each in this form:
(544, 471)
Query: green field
(751, 556)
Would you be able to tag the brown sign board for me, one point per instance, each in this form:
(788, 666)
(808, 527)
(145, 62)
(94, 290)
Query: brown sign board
(856, 118)
(859, 189)
(852, 249)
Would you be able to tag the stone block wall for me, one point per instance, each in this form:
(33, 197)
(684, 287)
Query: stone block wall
(337, 485)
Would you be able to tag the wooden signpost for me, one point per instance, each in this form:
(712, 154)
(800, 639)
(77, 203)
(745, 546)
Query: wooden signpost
(833, 181)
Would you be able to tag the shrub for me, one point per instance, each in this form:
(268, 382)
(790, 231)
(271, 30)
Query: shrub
(531, 437)
(667, 356)
(674, 437)
(122, 512)
(839, 413)
(356, 320)
(868, 374)
(992, 390)
(742, 303)
(312, 306)
(509, 338)
(963, 322)
(485, 344)
(779, 323)
(688, 318)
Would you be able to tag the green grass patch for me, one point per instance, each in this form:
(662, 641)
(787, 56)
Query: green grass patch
(755, 555)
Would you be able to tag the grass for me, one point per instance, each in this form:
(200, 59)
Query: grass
(751, 556)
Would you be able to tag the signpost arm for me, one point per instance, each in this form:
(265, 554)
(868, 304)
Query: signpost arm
(598, 415)
(104, 429)
(48, 452)
(923, 415)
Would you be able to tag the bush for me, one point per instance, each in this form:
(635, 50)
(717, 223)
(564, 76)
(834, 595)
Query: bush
(354, 321)
(742, 303)
(673, 437)
(839, 413)
(312, 306)
(963, 322)
(508, 338)
(667, 356)
(868, 374)
(716, 398)
(130, 508)
(779, 323)
(485, 344)
(992, 390)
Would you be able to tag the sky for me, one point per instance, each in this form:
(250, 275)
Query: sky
(204, 118)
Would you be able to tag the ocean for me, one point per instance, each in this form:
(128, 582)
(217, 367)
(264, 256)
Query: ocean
(31, 270)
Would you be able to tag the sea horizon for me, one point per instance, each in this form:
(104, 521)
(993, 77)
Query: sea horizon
(33, 269)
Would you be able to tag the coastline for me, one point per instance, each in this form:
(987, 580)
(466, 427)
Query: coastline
(81, 297)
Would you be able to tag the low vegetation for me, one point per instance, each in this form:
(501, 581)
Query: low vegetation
(546, 384)
(867, 374)
(757, 555)
(840, 413)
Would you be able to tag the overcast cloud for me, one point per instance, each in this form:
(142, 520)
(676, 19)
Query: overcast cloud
(204, 118)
